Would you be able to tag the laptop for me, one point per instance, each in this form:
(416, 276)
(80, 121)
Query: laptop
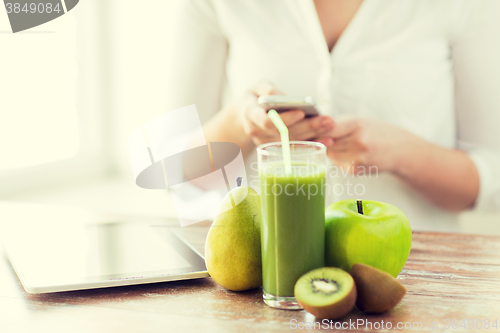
(57, 248)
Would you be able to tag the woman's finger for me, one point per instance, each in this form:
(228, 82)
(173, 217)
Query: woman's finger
(258, 116)
(292, 117)
(344, 144)
(327, 141)
(311, 128)
(344, 126)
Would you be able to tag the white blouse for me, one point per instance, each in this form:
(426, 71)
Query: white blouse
(431, 67)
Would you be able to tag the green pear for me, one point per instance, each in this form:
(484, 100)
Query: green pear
(232, 249)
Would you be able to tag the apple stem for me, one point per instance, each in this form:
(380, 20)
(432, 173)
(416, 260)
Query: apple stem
(360, 207)
(238, 181)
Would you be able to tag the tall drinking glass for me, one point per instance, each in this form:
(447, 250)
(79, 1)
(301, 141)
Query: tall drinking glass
(293, 217)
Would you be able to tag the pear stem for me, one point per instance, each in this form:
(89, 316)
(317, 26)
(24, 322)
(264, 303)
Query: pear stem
(238, 181)
(360, 207)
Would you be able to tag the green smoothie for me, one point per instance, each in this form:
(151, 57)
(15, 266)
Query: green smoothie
(293, 224)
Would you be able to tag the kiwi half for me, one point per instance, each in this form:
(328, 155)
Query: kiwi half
(326, 292)
(378, 291)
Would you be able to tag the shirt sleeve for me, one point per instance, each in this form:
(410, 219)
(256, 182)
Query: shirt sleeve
(197, 58)
(195, 75)
(476, 60)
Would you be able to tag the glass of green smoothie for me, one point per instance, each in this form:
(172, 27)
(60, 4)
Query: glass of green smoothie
(293, 217)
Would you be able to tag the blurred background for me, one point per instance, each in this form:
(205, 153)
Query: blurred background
(72, 90)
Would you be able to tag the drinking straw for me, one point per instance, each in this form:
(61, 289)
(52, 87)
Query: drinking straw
(285, 142)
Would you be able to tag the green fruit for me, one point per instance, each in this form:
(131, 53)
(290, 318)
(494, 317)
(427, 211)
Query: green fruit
(232, 249)
(378, 291)
(326, 292)
(380, 236)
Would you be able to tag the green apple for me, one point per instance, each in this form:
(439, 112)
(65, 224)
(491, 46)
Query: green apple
(370, 232)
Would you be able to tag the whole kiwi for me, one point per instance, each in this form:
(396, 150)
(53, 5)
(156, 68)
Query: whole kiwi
(377, 291)
(326, 292)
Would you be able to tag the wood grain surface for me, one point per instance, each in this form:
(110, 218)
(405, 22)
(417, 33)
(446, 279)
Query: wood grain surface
(448, 276)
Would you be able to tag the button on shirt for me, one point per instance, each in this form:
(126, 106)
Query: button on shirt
(431, 67)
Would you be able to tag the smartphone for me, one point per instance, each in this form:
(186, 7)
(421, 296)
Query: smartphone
(282, 103)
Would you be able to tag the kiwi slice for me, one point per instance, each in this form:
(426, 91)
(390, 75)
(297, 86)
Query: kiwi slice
(378, 291)
(326, 292)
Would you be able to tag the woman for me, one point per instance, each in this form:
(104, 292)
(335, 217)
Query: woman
(407, 88)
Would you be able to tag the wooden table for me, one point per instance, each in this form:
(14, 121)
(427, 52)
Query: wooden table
(448, 276)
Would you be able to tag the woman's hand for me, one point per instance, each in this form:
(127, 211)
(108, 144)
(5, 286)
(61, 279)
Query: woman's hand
(446, 177)
(358, 143)
(259, 127)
